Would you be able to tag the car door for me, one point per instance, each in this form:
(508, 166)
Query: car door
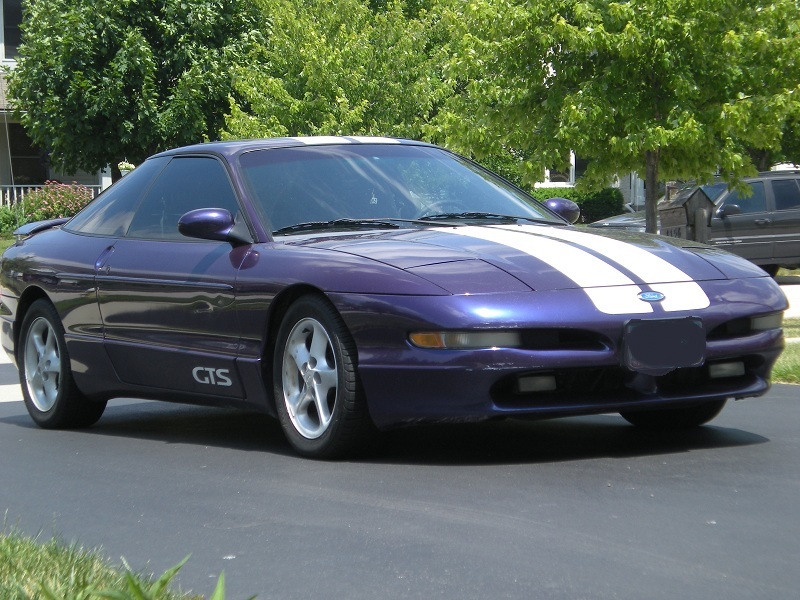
(786, 219)
(748, 233)
(167, 300)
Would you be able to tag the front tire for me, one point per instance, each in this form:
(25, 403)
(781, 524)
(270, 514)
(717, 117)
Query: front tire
(667, 419)
(318, 396)
(51, 396)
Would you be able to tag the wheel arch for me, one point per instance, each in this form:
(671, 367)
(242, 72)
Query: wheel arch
(276, 313)
(28, 297)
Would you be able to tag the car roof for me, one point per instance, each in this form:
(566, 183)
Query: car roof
(235, 147)
(781, 173)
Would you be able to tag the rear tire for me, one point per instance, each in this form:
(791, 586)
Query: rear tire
(667, 419)
(318, 395)
(51, 396)
(771, 270)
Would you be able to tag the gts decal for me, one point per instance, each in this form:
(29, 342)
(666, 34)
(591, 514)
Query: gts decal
(211, 376)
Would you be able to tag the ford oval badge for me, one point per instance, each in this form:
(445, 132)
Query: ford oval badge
(651, 296)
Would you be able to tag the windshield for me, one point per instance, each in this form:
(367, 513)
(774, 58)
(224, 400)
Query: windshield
(358, 182)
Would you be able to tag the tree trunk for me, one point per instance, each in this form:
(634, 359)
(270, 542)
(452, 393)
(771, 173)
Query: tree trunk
(116, 175)
(651, 190)
(762, 159)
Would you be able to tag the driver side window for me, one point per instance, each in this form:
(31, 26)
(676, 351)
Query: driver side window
(753, 203)
(187, 183)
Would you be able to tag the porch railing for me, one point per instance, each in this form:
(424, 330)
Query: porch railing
(11, 194)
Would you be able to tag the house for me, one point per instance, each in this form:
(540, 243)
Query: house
(630, 184)
(23, 166)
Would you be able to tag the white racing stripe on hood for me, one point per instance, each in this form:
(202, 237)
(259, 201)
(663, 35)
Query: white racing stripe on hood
(645, 265)
(680, 291)
(601, 281)
(581, 267)
(685, 295)
(609, 289)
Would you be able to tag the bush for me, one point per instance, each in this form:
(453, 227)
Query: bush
(54, 200)
(594, 205)
(10, 219)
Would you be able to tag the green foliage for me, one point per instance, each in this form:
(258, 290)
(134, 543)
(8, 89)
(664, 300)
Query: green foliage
(54, 200)
(595, 205)
(10, 219)
(412, 8)
(790, 143)
(98, 81)
(30, 570)
(337, 69)
(683, 87)
(27, 568)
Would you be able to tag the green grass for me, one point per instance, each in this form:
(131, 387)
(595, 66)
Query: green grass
(787, 369)
(791, 328)
(30, 569)
(5, 241)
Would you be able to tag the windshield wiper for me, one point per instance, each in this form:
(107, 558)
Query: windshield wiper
(483, 216)
(339, 224)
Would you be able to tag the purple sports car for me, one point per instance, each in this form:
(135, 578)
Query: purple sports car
(348, 285)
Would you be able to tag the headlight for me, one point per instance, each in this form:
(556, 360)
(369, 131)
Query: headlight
(461, 340)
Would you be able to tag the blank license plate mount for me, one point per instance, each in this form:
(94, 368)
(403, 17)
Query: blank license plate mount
(658, 346)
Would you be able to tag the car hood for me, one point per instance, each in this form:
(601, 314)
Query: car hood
(634, 221)
(540, 257)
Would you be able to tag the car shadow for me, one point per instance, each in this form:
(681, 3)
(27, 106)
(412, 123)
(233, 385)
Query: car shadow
(182, 424)
(510, 441)
(515, 441)
(187, 424)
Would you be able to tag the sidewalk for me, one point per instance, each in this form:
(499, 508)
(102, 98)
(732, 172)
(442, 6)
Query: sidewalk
(793, 295)
(9, 381)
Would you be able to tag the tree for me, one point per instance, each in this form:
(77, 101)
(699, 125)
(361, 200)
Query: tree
(99, 81)
(338, 69)
(788, 152)
(671, 88)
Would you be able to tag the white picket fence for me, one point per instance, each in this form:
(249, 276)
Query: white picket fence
(11, 194)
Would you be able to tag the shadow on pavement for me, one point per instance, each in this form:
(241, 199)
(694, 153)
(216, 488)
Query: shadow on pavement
(568, 439)
(496, 442)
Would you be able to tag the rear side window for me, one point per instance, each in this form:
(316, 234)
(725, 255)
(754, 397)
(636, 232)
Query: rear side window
(187, 183)
(111, 213)
(753, 203)
(787, 193)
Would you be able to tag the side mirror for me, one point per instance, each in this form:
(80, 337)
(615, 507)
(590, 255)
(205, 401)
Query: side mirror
(729, 210)
(215, 224)
(566, 209)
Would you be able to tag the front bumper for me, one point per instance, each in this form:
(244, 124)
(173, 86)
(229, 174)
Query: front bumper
(585, 375)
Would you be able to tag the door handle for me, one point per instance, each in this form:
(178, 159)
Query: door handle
(763, 221)
(101, 260)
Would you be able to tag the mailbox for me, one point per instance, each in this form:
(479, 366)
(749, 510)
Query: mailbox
(687, 216)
